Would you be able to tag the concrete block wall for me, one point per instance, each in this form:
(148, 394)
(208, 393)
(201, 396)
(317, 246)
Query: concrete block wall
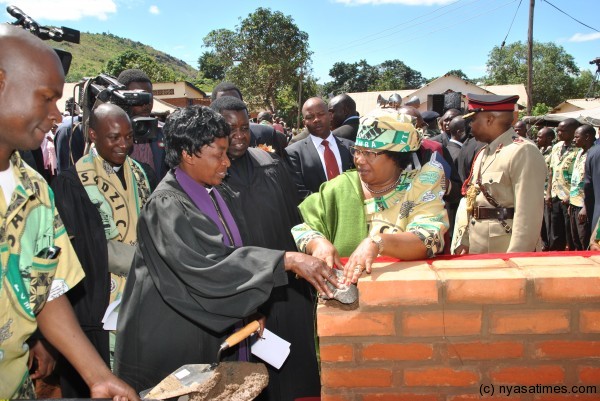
(458, 330)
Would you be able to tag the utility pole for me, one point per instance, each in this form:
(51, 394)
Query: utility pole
(299, 98)
(530, 58)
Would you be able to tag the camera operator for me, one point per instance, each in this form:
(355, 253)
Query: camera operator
(37, 256)
(69, 140)
(99, 200)
(150, 152)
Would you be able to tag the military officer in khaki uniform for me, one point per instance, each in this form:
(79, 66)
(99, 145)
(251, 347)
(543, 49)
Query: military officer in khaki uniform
(504, 192)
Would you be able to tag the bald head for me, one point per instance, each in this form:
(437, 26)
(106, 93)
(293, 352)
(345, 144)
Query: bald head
(316, 117)
(341, 107)
(31, 81)
(111, 132)
(456, 128)
(545, 136)
(104, 112)
(521, 128)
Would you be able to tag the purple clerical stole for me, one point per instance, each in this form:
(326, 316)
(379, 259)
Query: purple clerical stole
(202, 199)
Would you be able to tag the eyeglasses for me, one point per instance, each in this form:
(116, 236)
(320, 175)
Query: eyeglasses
(369, 155)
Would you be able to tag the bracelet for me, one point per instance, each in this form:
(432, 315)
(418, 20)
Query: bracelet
(377, 240)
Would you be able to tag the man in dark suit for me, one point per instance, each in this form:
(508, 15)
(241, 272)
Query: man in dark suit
(321, 156)
(444, 136)
(344, 118)
(260, 134)
(456, 129)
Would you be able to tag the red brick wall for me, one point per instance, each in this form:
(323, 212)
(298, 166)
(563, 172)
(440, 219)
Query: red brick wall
(450, 330)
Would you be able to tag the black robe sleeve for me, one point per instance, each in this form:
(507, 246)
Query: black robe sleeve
(90, 297)
(186, 289)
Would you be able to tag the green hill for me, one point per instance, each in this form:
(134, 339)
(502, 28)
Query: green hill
(95, 49)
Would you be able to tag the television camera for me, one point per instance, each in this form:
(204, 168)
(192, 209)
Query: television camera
(106, 89)
(47, 33)
(101, 89)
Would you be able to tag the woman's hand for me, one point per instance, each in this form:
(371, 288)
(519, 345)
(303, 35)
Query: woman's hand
(582, 216)
(461, 250)
(313, 270)
(361, 260)
(322, 249)
(45, 359)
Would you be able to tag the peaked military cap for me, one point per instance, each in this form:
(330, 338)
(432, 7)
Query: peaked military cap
(479, 103)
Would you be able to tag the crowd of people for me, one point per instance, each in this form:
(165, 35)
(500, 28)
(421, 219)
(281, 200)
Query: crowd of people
(218, 220)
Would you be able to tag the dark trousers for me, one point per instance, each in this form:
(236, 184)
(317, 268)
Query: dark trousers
(545, 234)
(560, 227)
(580, 232)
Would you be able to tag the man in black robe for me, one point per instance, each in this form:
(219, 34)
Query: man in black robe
(190, 280)
(260, 183)
(111, 132)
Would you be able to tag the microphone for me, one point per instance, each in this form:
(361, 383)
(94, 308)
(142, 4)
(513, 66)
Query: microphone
(22, 17)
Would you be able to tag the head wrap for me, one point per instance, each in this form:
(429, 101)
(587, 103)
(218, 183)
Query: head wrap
(387, 129)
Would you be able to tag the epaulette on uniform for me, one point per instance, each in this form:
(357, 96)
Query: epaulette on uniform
(517, 139)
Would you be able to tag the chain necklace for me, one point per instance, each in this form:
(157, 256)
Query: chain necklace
(384, 190)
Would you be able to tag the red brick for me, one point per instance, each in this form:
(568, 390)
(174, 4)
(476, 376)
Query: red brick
(566, 289)
(589, 321)
(498, 286)
(528, 375)
(567, 349)
(570, 397)
(472, 397)
(336, 397)
(589, 375)
(400, 397)
(555, 283)
(350, 323)
(401, 283)
(481, 351)
(357, 377)
(336, 352)
(440, 377)
(441, 323)
(397, 352)
(530, 322)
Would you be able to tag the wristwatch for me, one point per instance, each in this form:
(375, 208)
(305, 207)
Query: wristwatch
(377, 240)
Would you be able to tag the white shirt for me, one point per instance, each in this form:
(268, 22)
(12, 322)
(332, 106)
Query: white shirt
(321, 150)
(8, 183)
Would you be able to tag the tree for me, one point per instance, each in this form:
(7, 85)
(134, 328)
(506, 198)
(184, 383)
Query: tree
(554, 70)
(394, 74)
(362, 77)
(262, 56)
(130, 59)
(211, 67)
(583, 85)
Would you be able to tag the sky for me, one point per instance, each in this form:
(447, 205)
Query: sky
(430, 36)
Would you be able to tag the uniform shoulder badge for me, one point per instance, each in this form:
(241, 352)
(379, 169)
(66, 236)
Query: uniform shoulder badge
(517, 139)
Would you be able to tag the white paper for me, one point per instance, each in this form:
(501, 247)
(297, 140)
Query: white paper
(111, 315)
(271, 348)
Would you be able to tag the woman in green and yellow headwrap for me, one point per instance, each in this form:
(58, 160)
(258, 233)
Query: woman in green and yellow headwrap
(390, 205)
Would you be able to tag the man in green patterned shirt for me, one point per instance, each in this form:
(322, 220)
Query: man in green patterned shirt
(38, 264)
(557, 194)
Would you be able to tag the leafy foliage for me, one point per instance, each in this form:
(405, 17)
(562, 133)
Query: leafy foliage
(95, 50)
(362, 77)
(263, 56)
(130, 59)
(554, 70)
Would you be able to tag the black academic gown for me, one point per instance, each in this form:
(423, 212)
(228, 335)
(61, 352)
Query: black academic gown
(267, 194)
(90, 297)
(186, 289)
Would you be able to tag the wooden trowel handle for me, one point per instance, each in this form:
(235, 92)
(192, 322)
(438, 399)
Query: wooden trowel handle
(241, 334)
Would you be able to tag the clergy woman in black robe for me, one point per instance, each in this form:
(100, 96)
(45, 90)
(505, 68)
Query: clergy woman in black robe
(192, 280)
(260, 182)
